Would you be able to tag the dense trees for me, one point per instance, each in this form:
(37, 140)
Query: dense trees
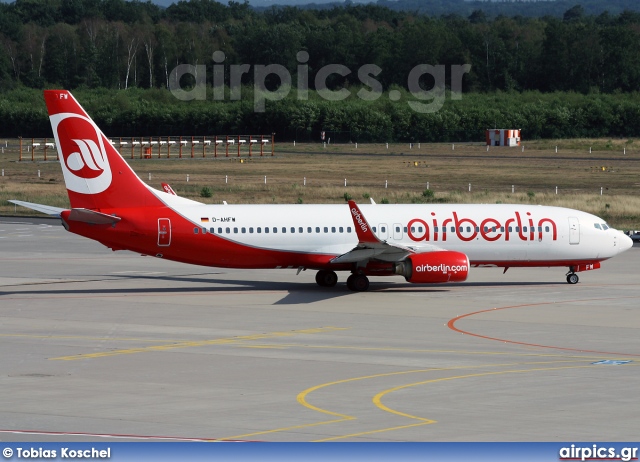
(118, 45)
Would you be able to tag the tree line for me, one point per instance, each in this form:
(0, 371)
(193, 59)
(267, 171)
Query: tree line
(118, 44)
(155, 112)
(553, 77)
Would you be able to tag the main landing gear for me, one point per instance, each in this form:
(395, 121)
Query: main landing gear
(356, 282)
(326, 278)
(572, 278)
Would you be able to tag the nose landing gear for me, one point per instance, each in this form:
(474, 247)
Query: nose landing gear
(572, 278)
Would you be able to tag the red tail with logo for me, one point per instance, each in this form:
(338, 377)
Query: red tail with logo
(96, 175)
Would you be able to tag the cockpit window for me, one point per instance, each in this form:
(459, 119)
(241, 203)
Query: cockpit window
(604, 226)
(597, 226)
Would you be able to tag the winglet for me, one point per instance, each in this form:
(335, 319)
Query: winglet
(363, 229)
(168, 189)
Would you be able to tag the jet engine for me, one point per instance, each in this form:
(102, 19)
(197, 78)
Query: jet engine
(434, 267)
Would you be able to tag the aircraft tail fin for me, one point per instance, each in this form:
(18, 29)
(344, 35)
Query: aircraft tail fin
(95, 174)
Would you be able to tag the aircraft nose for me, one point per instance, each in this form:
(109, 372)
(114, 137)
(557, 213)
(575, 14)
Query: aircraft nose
(625, 243)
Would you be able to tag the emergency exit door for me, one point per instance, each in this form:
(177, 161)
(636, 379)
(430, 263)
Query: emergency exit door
(164, 232)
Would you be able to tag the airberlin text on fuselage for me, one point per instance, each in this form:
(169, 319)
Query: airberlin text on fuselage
(488, 229)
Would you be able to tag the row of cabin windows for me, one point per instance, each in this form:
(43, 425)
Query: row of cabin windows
(340, 229)
(273, 230)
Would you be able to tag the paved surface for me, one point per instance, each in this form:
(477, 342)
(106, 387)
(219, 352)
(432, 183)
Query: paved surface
(94, 342)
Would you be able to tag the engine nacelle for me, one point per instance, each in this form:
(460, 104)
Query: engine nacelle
(434, 267)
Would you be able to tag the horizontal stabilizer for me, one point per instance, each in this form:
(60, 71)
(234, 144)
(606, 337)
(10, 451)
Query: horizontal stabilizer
(91, 217)
(46, 209)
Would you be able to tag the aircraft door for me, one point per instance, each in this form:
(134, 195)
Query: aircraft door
(574, 231)
(164, 232)
(397, 232)
(383, 232)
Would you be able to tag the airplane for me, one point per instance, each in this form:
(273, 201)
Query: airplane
(426, 244)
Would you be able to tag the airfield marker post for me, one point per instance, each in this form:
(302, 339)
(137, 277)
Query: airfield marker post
(227, 145)
(238, 145)
(180, 152)
(513, 188)
(192, 147)
(215, 147)
(386, 182)
(203, 146)
(45, 149)
(556, 190)
(20, 139)
(32, 150)
(469, 187)
(261, 145)
(273, 137)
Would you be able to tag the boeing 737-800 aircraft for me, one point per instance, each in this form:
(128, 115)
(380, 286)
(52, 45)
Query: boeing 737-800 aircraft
(422, 243)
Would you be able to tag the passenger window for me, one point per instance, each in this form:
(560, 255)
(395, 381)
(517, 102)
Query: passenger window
(502, 229)
(244, 230)
(477, 229)
(284, 230)
(374, 230)
(333, 229)
(196, 230)
(228, 230)
(341, 229)
(405, 230)
(539, 229)
(326, 230)
(212, 230)
(524, 229)
(259, 230)
(300, 229)
(250, 230)
(510, 229)
(235, 230)
(486, 229)
(494, 229)
(420, 229)
(293, 230)
(275, 230)
(383, 229)
(204, 230)
(317, 229)
(397, 229)
(266, 230)
(453, 229)
(517, 229)
(413, 229)
(349, 229)
(309, 229)
(219, 230)
(546, 228)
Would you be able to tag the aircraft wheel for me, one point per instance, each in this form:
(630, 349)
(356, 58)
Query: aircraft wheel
(572, 278)
(326, 278)
(358, 282)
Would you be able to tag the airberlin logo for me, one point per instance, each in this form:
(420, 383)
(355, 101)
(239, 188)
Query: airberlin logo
(441, 268)
(359, 220)
(84, 160)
